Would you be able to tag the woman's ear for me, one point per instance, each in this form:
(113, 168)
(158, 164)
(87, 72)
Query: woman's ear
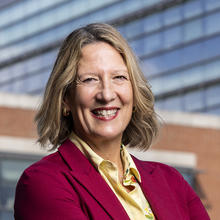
(66, 107)
(66, 104)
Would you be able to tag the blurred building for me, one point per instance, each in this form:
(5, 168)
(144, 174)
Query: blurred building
(177, 42)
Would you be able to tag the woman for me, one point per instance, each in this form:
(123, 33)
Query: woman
(96, 102)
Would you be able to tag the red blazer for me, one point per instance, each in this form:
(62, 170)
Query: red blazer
(65, 185)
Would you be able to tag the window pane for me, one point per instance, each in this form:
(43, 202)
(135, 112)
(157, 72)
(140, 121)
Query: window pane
(162, 63)
(213, 95)
(192, 8)
(153, 43)
(194, 100)
(159, 104)
(6, 215)
(215, 110)
(152, 23)
(192, 53)
(134, 28)
(212, 23)
(172, 36)
(172, 82)
(157, 85)
(12, 169)
(212, 70)
(7, 196)
(193, 76)
(193, 30)
(172, 15)
(138, 46)
(173, 103)
(210, 48)
(172, 60)
(211, 4)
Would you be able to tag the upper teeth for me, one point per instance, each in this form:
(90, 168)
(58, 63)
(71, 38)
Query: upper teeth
(106, 112)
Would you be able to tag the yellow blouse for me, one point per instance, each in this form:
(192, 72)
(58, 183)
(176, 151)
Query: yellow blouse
(134, 202)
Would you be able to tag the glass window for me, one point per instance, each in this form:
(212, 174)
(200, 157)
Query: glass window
(152, 22)
(30, 83)
(192, 53)
(47, 19)
(122, 30)
(162, 63)
(210, 48)
(194, 100)
(175, 81)
(7, 195)
(172, 82)
(157, 85)
(172, 59)
(172, 15)
(17, 70)
(193, 76)
(6, 215)
(173, 103)
(159, 104)
(211, 4)
(12, 169)
(153, 65)
(213, 95)
(133, 29)
(172, 36)
(7, 87)
(5, 75)
(153, 43)
(16, 11)
(138, 46)
(37, 81)
(212, 70)
(193, 30)
(192, 8)
(211, 23)
(214, 110)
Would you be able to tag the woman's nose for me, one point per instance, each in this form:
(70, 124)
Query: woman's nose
(106, 92)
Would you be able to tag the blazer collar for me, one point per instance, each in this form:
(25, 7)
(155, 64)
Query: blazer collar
(89, 177)
(157, 191)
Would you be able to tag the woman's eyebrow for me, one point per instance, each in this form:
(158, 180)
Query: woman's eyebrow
(120, 71)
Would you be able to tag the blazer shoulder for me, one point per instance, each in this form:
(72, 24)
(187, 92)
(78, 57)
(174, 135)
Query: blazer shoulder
(52, 161)
(49, 168)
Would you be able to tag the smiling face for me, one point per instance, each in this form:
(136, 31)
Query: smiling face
(102, 101)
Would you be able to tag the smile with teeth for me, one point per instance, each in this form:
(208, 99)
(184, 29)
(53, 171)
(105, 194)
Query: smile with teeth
(105, 114)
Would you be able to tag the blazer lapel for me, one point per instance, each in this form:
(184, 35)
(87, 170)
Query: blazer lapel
(89, 177)
(157, 192)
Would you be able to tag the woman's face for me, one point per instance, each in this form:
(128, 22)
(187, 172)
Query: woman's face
(102, 102)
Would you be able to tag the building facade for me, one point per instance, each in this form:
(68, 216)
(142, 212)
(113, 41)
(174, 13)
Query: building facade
(177, 42)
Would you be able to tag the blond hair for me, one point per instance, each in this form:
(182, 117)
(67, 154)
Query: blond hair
(55, 128)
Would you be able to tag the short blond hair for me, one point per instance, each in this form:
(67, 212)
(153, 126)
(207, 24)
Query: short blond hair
(54, 128)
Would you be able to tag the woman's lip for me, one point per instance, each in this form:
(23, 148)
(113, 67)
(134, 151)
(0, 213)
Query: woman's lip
(105, 108)
(105, 117)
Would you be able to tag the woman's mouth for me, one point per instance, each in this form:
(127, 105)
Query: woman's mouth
(105, 113)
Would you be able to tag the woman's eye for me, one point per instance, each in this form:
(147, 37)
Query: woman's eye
(121, 77)
(89, 80)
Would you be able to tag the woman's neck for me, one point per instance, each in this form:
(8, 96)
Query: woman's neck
(108, 149)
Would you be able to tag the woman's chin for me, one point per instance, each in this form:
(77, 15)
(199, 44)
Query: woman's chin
(107, 135)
